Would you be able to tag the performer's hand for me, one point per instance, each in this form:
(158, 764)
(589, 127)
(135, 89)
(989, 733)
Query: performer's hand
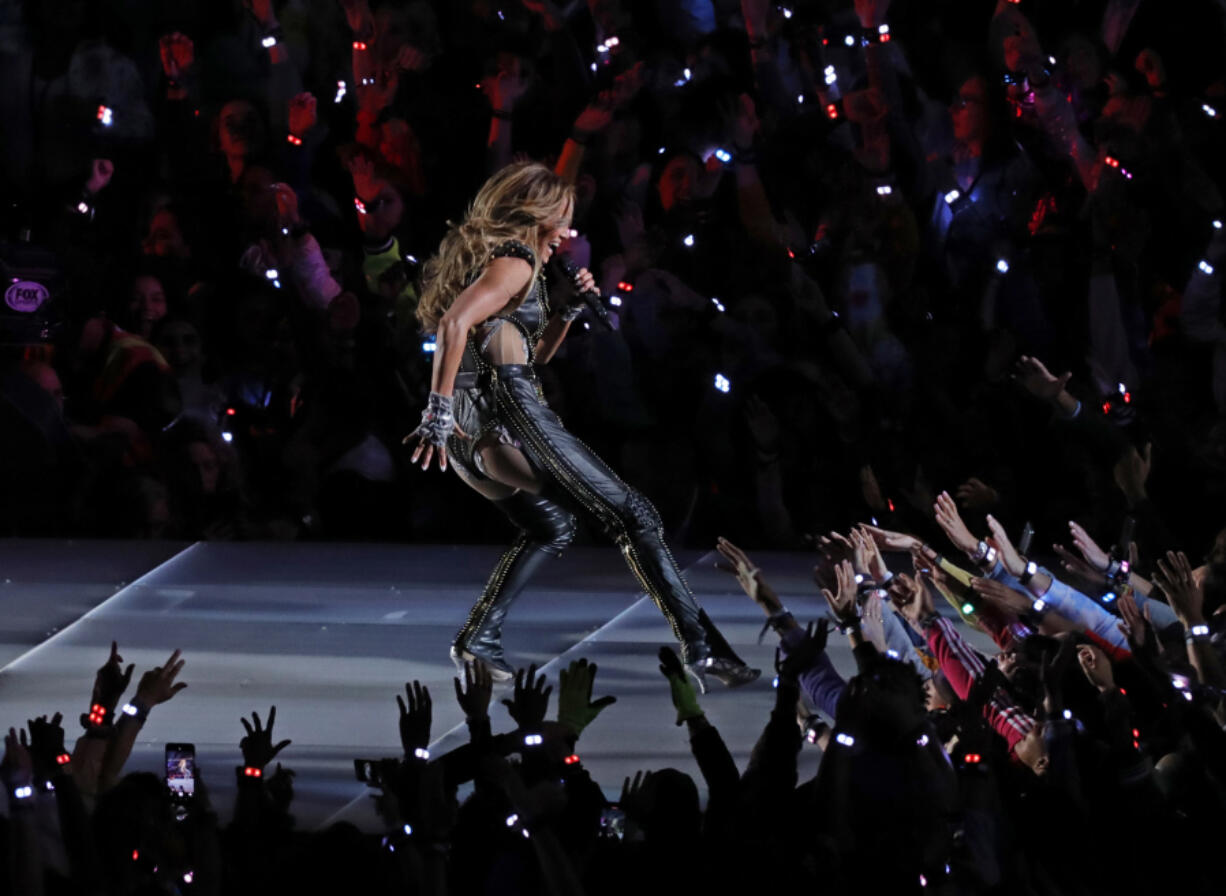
(437, 423)
(428, 451)
(585, 282)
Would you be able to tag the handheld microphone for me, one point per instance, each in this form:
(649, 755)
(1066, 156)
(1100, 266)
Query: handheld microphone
(589, 297)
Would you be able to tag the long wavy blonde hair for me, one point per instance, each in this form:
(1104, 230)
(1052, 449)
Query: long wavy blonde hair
(520, 202)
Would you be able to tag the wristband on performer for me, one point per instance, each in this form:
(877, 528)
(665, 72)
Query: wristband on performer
(437, 420)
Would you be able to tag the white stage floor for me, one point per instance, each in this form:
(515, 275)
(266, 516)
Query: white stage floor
(329, 633)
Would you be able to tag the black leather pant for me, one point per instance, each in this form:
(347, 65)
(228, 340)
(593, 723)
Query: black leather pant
(578, 481)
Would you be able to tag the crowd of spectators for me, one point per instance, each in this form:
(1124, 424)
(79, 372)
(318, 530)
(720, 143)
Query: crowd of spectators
(828, 233)
(1085, 755)
(857, 253)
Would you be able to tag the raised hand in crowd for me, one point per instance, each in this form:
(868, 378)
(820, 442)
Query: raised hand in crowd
(681, 689)
(529, 700)
(257, 746)
(416, 714)
(576, 708)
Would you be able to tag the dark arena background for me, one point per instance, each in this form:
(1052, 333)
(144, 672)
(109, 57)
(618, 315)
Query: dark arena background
(909, 324)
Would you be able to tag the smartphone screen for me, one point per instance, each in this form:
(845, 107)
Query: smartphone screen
(181, 770)
(613, 822)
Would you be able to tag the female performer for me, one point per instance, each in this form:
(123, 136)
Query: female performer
(484, 296)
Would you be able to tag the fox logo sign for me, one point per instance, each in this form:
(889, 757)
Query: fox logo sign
(25, 295)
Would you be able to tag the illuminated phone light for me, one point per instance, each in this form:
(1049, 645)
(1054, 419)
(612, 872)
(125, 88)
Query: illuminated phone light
(1051, 60)
(602, 48)
(1040, 605)
(723, 155)
(775, 682)
(411, 259)
(23, 793)
(1002, 265)
(800, 99)
(680, 82)
(408, 830)
(883, 29)
(660, 151)
(421, 753)
(686, 73)
(1199, 631)
(719, 306)
(586, 325)
(923, 881)
(83, 208)
(922, 740)
(360, 46)
(612, 41)
(572, 759)
(615, 301)
(722, 383)
(787, 13)
(368, 82)
(227, 437)
(340, 91)
(512, 820)
(251, 771)
(624, 286)
(1209, 110)
(885, 190)
(1217, 225)
(832, 111)
(968, 608)
(849, 41)
(268, 42)
(63, 759)
(271, 274)
(359, 205)
(1187, 695)
(429, 347)
(688, 239)
(830, 74)
(1205, 267)
(284, 231)
(502, 16)
(533, 740)
(952, 196)
(859, 578)
(293, 139)
(525, 833)
(1109, 597)
(845, 739)
(973, 758)
(106, 115)
(1112, 161)
(189, 876)
(892, 654)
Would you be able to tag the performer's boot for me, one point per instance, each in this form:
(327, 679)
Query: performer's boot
(546, 530)
(723, 663)
(704, 651)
